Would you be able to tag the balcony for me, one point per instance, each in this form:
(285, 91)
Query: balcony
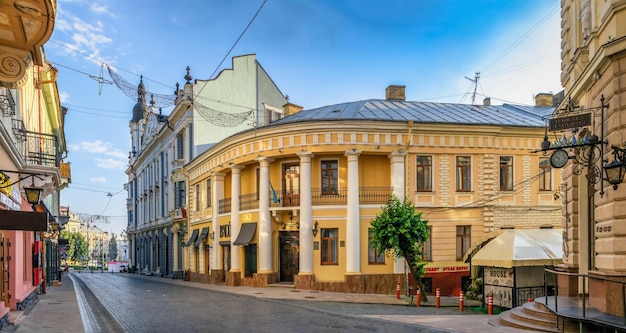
(7, 103)
(224, 206)
(40, 149)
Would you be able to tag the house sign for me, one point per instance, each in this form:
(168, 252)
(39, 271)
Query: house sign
(575, 121)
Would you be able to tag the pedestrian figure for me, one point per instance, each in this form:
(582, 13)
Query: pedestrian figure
(67, 269)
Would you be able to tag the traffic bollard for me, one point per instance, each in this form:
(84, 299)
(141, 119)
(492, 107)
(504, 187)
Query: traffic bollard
(417, 297)
(530, 299)
(437, 298)
(490, 304)
(398, 291)
(461, 302)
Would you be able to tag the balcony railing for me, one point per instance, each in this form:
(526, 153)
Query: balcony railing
(374, 194)
(41, 149)
(575, 305)
(224, 206)
(249, 201)
(7, 103)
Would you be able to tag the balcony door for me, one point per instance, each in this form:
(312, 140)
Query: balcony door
(289, 255)
(291, 184)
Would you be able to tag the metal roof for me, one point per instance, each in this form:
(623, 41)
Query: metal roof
(425, 112)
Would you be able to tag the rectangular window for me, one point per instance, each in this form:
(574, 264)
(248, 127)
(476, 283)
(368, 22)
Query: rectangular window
(257, 174)
(463, 240)
(197, 197)
(424, 165)
(506, 173)
(427, 251)
(179, 146)
(330, 246)
(209, 193)
(463, 173)
(545, 175)
(330, 177)
(179, 195)
(373, 256)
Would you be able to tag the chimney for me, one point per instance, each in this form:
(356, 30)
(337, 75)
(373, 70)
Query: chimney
(394, 92)
(487, 101)
(290, 108)
(544, 99)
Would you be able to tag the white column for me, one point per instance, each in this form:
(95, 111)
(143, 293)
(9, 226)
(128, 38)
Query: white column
(306, 214)
(175, 262)
(217, 187)
(235, 191)
(397, 182)
(201, 268)
(353, 225)
(265, 219)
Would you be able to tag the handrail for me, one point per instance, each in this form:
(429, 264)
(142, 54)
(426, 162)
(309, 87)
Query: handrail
(585, 279)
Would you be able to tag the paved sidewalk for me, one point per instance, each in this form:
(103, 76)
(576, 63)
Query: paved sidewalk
(58, 311)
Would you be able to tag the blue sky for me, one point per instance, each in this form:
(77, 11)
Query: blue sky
(318, 52)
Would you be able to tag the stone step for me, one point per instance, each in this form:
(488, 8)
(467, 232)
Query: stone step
(539, 310)
(515, 319)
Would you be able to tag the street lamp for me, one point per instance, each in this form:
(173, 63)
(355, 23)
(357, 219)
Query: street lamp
(616, 169)
(32, 193)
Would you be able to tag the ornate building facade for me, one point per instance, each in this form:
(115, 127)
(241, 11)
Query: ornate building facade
(32, 149)
(205, 112)
(292, 201)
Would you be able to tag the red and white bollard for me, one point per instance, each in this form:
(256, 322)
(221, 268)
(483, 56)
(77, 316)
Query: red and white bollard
(461, 302)
(530, 299)
(437, 298)
(417, 297)
(490, 304)
(398, 291)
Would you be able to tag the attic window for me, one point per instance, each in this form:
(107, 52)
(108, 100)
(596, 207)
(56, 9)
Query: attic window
(336, 110)
(506, 227)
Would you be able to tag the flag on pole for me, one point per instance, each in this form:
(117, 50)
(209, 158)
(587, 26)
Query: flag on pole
(274, 196)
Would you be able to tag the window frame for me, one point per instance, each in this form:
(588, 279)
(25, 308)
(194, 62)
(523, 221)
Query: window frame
(464, 180)
(463, 240)
(209, 193)
(506, 173)
(327, 245)
(545, 174)
(424, 174)
(333, 175)
(372, 252)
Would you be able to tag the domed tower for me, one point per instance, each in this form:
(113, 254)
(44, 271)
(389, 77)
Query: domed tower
(140, 111)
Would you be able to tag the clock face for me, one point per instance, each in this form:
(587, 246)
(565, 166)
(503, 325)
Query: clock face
(559, 158)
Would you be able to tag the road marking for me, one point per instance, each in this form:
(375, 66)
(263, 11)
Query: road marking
(90, 324)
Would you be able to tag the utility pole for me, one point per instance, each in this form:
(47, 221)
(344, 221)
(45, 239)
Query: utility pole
(475, 81)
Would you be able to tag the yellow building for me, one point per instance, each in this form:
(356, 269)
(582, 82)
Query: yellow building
(292, 201)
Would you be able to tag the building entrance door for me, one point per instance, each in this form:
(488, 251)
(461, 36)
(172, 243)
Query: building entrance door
(289, 255)
(226, 257)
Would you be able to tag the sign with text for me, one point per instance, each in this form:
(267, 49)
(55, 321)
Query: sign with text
(568, 122)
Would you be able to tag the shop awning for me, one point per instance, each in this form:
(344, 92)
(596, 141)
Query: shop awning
(193, 237)
(203, 234)
(245, 234)
(528, 247)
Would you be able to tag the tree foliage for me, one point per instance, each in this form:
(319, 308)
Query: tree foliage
(113, 248)
(399, 231)
(77, 246)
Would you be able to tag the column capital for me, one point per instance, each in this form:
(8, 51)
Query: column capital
(236, 168)
(397, 156)
(264, 160)
(352, 153)
(305, 156)
(218, 175)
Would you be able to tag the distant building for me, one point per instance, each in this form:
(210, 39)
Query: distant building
(205, 112)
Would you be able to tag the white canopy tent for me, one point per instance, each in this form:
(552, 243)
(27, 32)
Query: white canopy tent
(523, 247)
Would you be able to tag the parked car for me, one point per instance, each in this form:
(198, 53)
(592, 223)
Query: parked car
(123, 269)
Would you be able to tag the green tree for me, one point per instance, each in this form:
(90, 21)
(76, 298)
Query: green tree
(399, 231)
(77, 247)
(113, 248)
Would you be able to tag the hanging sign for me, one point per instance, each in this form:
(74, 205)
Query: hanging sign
(568, 122)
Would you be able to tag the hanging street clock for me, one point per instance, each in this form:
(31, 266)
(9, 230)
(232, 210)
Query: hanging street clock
(559, 158)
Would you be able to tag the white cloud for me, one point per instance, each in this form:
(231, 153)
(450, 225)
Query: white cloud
(98, 180)
(64, 96)
(100, 9)
(110, 163)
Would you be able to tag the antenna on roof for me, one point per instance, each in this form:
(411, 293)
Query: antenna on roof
(475, 81)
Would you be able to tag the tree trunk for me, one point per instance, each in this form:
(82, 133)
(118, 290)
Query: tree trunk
(417, 279)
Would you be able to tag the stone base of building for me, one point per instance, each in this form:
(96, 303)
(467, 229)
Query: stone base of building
(358, 284)
(233, 279)
(568, 284)
(606, 292)
(260, 280)
(217, 276)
